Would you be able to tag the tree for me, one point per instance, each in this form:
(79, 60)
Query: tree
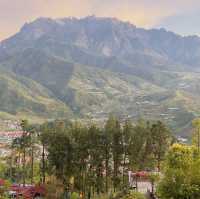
(23, 143)
(31, 145)
(79, 140)
(44, 136)
(114, 129)
(196, 133)
(139, 146)
(106, 145)
(25, 146)
(181, 174)
(60, 153)
(160, 137)
(97, 156)
(126, 140)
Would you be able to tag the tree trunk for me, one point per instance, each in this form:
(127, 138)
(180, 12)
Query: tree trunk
(18, 166)
(11, 162)
(32, 164)
(24, 167)
(107, 165)
(124, 163)
(43, 165)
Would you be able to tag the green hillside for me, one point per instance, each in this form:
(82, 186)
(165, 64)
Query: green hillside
(21, 97)
(89, 68)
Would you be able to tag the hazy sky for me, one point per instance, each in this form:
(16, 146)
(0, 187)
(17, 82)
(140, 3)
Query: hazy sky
(181, 16)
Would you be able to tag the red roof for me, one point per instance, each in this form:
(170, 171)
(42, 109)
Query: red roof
(142, 174)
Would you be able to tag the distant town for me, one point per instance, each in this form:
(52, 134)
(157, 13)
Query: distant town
(9, 130)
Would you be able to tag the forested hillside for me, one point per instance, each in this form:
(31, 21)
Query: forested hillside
(89, 68)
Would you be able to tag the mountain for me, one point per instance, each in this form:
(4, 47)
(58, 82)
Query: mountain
(91, 67)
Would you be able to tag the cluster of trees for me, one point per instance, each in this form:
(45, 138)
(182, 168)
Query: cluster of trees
(181, 174)
(24, 149)
(96, 159)
(89, 158)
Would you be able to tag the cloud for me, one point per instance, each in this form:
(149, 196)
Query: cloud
(185, 24)
(147, 13)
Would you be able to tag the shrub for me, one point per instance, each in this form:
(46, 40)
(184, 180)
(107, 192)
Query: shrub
(130, 195)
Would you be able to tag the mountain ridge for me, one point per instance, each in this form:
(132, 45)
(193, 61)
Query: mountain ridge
(97, 66)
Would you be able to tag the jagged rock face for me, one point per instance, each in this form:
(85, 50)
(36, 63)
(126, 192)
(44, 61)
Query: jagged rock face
(109, 37)
(94, 66)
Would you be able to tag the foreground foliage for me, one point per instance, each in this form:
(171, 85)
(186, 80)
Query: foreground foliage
(181, 178)
(129, 195)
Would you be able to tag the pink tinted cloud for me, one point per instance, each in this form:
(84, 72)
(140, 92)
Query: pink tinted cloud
(14, 13)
